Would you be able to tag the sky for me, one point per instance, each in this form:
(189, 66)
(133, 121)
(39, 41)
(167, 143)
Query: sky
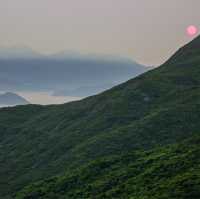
(45, 98)
(147, 31)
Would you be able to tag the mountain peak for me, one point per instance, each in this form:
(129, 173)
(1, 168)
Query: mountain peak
(11, 99)
(190, 50)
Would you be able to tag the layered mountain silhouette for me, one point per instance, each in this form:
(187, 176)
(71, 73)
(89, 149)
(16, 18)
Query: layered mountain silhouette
(11, 99)
(22, 69)
(137, 140)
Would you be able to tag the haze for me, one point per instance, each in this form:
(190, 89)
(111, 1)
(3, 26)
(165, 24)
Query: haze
(146, 31)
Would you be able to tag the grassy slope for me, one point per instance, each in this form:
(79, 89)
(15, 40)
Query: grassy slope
(157, 108)
(163, 173)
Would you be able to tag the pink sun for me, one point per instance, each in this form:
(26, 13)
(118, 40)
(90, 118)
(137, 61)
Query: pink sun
(192, 30)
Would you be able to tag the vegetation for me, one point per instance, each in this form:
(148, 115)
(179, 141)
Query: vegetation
(160, 108)
(163, 173)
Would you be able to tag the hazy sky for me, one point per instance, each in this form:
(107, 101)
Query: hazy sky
(45, 98)
(145, 30)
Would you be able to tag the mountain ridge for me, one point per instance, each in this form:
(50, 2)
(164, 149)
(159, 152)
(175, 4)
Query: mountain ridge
(12, 99)
(65, 74)
(156, 109)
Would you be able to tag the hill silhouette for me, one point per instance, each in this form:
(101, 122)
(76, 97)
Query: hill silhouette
(11, 99)
(22, 69)
(158, 111)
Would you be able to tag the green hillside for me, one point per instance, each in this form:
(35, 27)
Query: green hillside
(163, 173)
(158, 108)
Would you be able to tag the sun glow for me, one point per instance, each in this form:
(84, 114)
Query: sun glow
(192, 30)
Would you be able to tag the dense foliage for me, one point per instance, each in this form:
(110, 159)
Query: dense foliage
(163, 173)
(156, 109)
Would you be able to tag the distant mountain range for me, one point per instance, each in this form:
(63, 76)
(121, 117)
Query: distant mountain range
(12, 99)
(22, 69)
(18, 53)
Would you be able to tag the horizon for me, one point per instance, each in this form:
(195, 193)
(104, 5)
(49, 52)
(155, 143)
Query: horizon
(131, 29)
(112, 40)
(47, 97)
(76, 54)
